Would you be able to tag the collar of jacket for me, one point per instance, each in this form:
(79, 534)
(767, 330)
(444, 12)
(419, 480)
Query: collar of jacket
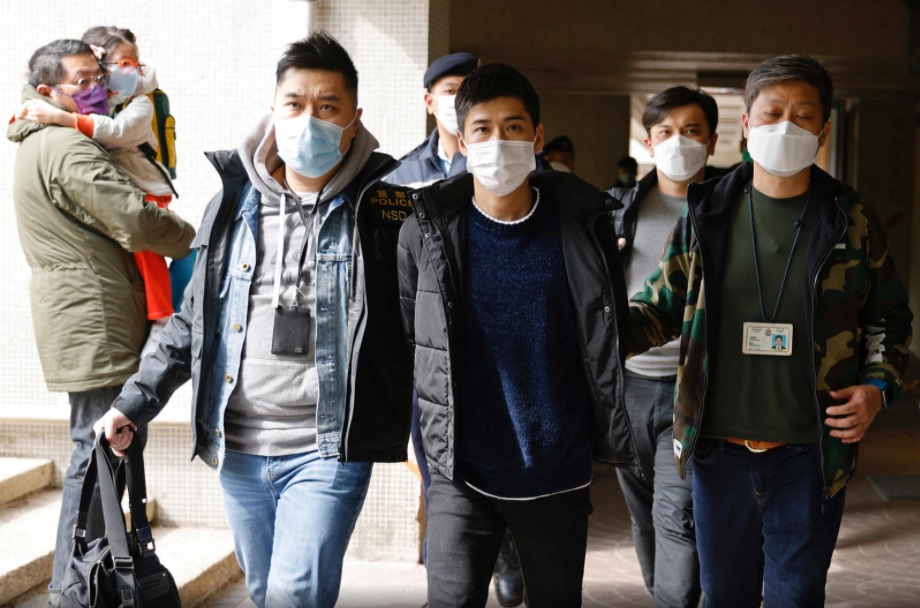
(457, 163)
(574, 196)
(234, 178)
(431, 146)
(710, 202)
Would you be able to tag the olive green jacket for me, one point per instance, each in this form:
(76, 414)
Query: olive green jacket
(79, 219)
(860, 321)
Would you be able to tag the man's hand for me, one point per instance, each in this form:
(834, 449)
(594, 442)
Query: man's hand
(44, 113)
(851, 420)
(118, 430)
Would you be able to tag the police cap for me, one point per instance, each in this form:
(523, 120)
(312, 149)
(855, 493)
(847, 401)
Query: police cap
(560, 144)
(455, 64)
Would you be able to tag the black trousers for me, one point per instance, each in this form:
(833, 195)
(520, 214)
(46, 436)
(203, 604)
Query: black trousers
(465, 529)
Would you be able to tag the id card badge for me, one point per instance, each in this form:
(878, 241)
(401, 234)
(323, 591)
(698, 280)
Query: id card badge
(291, 331)
(773, 339)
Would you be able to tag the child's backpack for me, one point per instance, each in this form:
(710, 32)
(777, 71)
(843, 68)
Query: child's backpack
(164, 128)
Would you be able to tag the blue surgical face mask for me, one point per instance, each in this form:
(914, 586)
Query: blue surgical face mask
(123, 81)
(308, 145)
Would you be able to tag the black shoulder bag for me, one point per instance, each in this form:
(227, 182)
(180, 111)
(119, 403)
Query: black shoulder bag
(121, 569)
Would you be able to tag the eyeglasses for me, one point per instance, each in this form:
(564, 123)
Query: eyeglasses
(85, 83)
(124, 64)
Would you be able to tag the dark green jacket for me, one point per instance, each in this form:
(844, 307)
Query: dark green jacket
(860, 321)
(79, 219)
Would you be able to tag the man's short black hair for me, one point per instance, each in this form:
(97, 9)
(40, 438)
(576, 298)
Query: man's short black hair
(661, 105)
(319, 51)
(628, 163)
(491, 82)
(45, 66)
(791, 68)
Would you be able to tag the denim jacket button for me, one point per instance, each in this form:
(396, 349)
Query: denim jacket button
(217, 432)
(421, 215)
(214, 460)
(606, 309)
(237, 327)
(245, 266)
(228, 378)
(427, 235)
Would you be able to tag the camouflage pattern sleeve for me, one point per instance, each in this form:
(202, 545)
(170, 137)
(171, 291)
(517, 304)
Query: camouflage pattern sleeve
(657, 314)
(885, 315)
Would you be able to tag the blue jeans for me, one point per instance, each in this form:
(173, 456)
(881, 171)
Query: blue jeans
(661, 504)
(763, 522)
(292, 518)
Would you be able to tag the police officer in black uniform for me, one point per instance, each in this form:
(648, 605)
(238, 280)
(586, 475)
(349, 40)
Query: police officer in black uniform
(438, 156)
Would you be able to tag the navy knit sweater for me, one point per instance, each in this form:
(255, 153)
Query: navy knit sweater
(522, 413)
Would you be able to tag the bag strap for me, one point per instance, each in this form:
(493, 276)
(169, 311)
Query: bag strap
(137, 497)
(86, 496)
(114, 524)
(151, 155)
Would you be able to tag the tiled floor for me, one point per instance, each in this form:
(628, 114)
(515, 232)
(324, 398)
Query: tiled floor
(876, 564)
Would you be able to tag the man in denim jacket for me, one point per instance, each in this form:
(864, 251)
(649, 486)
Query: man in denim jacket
(290, 332)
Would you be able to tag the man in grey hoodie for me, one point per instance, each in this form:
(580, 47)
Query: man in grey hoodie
(290, 332)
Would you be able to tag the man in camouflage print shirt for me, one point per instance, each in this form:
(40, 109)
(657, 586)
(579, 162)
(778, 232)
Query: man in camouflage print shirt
(788, 251)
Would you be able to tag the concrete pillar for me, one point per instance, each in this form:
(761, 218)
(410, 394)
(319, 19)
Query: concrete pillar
(391, 44)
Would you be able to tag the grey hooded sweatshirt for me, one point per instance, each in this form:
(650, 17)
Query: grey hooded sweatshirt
(272, 410)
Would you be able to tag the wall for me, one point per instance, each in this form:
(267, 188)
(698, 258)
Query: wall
(598, 126)
(884, 179)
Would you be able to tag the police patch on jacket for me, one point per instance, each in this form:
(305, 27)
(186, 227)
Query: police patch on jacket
(389, 206)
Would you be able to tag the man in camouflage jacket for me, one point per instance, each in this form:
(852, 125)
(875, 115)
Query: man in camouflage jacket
(774, 443)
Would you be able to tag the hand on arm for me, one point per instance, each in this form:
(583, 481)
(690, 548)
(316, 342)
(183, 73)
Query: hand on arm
(851, 419)
(118, 429)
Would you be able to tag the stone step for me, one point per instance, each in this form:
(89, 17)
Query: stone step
(22, 476)
(28, 527)
(201, 561)
(27, 534)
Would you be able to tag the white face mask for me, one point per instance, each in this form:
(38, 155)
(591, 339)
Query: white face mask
(500, 166)
(680, 158)
(782, 149)
(447, 113)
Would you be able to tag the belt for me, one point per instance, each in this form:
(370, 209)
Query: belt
(755, 446)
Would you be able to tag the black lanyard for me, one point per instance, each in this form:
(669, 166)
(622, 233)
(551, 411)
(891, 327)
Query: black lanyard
(798, 231)
(309, 230)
